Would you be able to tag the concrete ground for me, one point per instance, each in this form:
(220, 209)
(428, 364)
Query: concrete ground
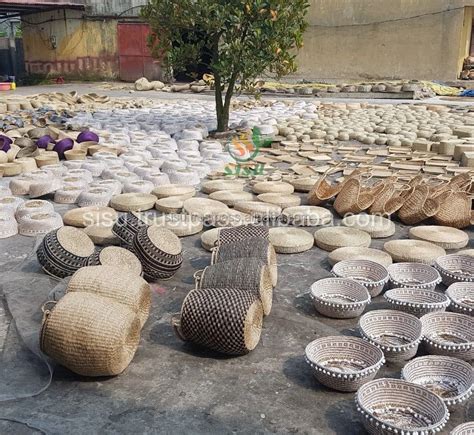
(172, 387)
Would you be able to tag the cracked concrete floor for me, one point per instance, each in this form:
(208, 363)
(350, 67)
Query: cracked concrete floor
(172, 387)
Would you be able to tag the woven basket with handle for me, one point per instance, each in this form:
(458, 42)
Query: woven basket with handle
(248, 274)
(225, 320)
(354, 197)
(90, 335)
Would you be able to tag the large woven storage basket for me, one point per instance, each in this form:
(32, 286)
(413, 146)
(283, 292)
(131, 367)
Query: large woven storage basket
(237, 234)
(322, 191)
(454, 209)
(90, 335)
(225, 320)
(247, 274)
(257, 248)
(117, 284)
(353, 198)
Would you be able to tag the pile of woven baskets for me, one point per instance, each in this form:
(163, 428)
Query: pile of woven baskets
(225, 311)
(414, 201)
(94, 330)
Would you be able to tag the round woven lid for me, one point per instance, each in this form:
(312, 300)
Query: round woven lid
(209, 238)
(122, 258)
(180, 224)
(282, 200)
(164, 239)
(351, 253)
(231, 197)
(290, 240)
(217, 185)
(101, 234)
(445, 237)
(75, 241)
(273, 187)
(332, 238)
(85, 216)
(171, 204)
(416, 251)
(174, 190)
(203, 206)
(469, 252)
(377, 226)
(133, 202)
(259, 209)
(307, 216)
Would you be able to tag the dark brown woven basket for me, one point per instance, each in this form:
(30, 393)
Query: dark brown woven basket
(248, 274)
(225, 320)
(257, 248)
(243, 232)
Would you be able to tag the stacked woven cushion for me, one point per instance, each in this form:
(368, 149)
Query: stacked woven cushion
(225, 312)
(64, 251)
(159, 250)
(94, 330)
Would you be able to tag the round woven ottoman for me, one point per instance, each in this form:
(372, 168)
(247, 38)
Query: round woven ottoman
(180, 224)
(259, 210)
(185, 192)
(171, 204)
(243, 232)
(414, 251)
(139, 186)
(290, 240)
(33, 206)
(67, 195)
(20, 185)
(218, 185)
(377, 227)
(8, 225)
(303, 184)
(101, 234)
(306, 216)
(281, 200)
(11, 169)
(203, 207)
(133, 202)
(94, 197)
(352, 253)
(10, 204)
(273, 187)
(231, 197)
(209, 238)
(83, 217)
(35, 224)
(444, 237)
(43, 188)
(117, 257)
(127, 226)
(333, 238)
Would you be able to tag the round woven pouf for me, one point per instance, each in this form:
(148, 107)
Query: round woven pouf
(273, 187)
(231, 197)
(167, 190)
(377, 227)
(101, 234)
(444, 237)
(352, 253)
(415, 251)
(306, 216)
(180, 224)
(203, 207)
(333, 238)
(139, 186)
(34, 206)
(117, 257)
(43, 188)
(8, 225)
(94, 197)
(35, 224)
(67, 195)
(10, 204)
(209, 238)
(171, 204)
(133, 202)
(290, 240)
(217, 185)
(259, 210)
(83, 217)
(282, 201)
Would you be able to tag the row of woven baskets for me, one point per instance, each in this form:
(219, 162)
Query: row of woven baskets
(448, 203)
(225, 311)
(94, 330)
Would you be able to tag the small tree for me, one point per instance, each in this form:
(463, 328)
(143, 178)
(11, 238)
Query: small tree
(237, 40)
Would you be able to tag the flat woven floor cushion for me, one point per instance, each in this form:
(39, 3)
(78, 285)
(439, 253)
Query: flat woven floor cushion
(290, 240)
(333, 238)
(415, 251)
(444, 237)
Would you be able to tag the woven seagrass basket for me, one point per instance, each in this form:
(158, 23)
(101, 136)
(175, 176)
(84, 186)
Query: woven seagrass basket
(416, 301)
(353, 198)
(114, 283)
(90, 335)
(461, 295)
(237, 234)
(248, 274)
(224, 320)
(455, 268)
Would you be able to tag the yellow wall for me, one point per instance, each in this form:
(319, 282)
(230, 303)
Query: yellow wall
(83, 48)
(431, 46)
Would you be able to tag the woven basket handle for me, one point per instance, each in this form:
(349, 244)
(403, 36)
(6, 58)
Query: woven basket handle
(176, 324)
(214, 253)
(197, 277)
(44, 307)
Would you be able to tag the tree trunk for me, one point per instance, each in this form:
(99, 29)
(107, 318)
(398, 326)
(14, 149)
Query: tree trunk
(222, 109)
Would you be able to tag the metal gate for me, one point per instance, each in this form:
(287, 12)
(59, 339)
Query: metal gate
(134, 55)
